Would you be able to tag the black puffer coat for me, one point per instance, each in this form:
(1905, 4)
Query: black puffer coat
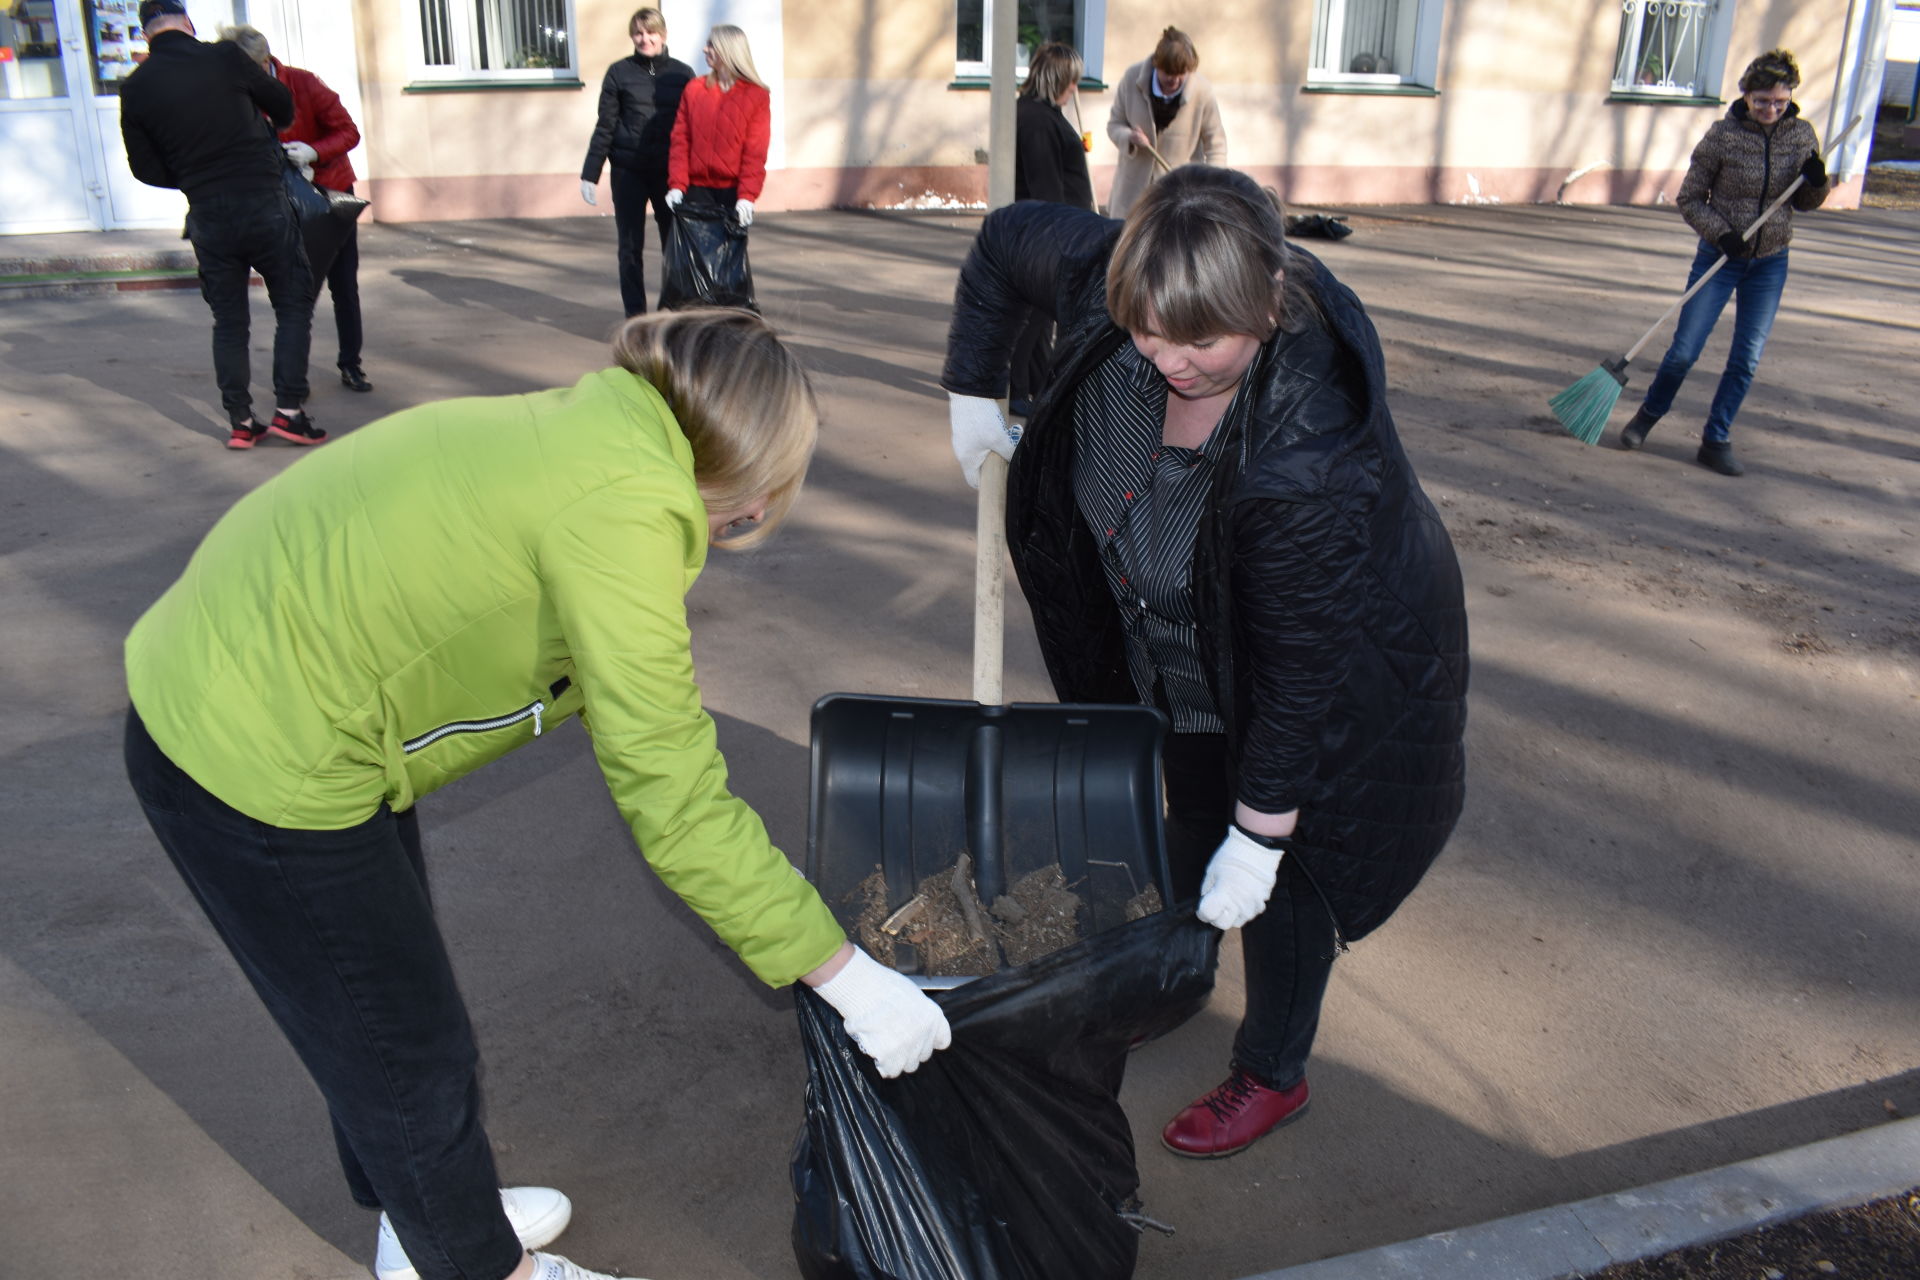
(1332, 621)
(638, 100)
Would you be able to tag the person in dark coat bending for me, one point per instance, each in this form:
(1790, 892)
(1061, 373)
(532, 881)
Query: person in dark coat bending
(1049, 163)
(638, 99)
(1210, 512)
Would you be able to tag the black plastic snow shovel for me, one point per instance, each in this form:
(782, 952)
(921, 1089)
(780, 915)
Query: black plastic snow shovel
(972, 797)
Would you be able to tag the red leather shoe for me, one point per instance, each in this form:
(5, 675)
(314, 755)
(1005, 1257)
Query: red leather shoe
(1232, 1118)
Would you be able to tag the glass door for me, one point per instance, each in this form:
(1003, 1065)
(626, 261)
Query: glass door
(43, 140)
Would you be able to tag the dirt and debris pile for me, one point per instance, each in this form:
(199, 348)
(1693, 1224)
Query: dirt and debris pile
(1039, 914)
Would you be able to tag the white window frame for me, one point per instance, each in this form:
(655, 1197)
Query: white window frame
(1090, 17)
(464, 18)
(1329, 31)
(1710, 66)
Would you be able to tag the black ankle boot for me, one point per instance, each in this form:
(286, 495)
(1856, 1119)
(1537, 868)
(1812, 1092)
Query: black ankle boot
(1719, 457)
(353, 379)
(1634, 434)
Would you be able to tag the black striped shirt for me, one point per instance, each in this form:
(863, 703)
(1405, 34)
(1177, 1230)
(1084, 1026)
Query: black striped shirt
(1143, 500)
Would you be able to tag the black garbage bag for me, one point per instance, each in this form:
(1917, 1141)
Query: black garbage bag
(1007, 1156)
(1317, 226)
(706, 260)
(326, 219)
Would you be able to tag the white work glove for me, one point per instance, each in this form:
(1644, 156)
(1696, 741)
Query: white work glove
(300, 153)
(1238, 882)
(588, 193)
(674, 196)
(892, 1021)
(743, 210)
(979, 428)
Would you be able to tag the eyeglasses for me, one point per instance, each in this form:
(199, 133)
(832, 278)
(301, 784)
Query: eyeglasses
(1769, 104)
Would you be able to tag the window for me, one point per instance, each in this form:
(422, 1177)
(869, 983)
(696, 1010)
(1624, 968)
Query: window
(1670, 48)
(1375, 43)
(496, 40)
(1080, 23)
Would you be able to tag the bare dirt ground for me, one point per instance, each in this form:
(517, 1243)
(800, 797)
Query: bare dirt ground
(1890, 189)
(1878, 1241)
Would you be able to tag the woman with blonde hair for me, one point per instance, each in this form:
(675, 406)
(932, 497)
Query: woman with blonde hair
(1164, 115)
(1213, 515)
(638, 99)
(722, 131)
(442, 587)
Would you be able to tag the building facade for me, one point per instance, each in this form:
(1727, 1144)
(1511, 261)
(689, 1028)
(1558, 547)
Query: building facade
(482, 108)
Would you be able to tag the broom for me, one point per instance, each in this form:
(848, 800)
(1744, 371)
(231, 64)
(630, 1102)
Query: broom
(1584, 407)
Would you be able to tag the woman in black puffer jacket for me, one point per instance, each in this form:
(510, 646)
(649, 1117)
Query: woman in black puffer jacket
(638, 100)
(1742, 165)
(1210, 512)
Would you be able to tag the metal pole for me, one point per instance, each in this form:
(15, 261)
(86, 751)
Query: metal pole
(1006, 26)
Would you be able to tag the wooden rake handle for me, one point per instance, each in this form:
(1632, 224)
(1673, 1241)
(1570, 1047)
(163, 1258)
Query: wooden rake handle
(1799, 180)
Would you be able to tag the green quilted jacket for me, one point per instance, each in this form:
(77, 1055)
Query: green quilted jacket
(445, 585)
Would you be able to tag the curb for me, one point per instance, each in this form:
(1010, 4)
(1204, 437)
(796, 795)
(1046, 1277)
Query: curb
(1577, 1239)
(125, 271)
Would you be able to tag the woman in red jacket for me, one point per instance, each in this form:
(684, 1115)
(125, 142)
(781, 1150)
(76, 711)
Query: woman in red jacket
(318, 141)
(719, 153)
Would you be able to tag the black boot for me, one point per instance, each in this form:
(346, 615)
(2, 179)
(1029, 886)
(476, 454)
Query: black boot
(1634, 434)
(1718, 456)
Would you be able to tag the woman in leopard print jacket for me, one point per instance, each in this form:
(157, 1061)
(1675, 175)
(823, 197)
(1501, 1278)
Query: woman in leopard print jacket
(1742, 165)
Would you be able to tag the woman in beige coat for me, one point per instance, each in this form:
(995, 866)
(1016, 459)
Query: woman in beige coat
(1162, 105)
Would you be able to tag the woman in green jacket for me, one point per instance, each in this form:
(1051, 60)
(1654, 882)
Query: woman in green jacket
(417, 600)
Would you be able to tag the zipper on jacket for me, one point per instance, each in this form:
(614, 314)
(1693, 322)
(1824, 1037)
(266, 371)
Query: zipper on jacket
(1339, 934)
(532, 711)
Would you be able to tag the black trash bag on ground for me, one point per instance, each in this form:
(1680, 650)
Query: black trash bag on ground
(1007, 1156)
(1317, 226)
(706, 260)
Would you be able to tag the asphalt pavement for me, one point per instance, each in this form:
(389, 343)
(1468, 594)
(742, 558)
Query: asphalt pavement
(1676, 932)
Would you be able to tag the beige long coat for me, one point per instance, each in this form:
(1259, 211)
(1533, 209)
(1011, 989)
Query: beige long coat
(1195, 134)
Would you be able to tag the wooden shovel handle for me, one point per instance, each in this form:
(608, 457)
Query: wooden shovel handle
(990, 582)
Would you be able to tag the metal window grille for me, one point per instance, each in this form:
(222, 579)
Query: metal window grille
(470, 36)
(436, 33)
(1663, 46)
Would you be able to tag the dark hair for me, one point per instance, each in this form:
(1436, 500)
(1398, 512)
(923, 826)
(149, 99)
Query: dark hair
(152, 9)
(1773, 68)
(1203, 255)
(1175, 54)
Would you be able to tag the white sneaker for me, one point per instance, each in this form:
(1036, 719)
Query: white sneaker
(549, 1266)
(537, 1214)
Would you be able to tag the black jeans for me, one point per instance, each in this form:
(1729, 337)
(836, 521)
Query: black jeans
(232, 234)
(335, 931)
(633, 192)
(343, 286)
(1289, 947)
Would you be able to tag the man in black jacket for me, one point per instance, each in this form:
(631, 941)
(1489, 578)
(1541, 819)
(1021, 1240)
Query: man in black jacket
(191, 118)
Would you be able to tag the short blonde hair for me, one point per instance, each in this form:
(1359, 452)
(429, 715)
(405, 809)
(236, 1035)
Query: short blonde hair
(1175, 54)
(251, 40)
(732, 60)
(1203, 256)
(741, 398)
(1055, 68)
(648, 19)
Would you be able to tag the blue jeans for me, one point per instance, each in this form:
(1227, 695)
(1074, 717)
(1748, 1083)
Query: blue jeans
(335, 931)
(1756, 285)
